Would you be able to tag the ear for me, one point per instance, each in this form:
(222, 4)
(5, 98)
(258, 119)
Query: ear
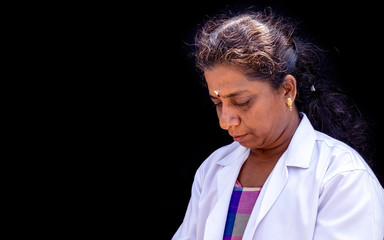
(289, 87)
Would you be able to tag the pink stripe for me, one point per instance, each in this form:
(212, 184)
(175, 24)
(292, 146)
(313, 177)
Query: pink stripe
(232, 238)
(247, 201)
(236, 238)
(238, 183)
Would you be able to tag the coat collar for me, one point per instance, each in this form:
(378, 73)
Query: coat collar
(235, 150)
(299, 151)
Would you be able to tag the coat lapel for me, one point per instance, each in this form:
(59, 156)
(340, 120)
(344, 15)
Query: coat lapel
(226, 178)
(268, 196)
(278, 179)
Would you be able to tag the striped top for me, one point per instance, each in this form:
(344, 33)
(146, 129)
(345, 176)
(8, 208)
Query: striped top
(240, 208)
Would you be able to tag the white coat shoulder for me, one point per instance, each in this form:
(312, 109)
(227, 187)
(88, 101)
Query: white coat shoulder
(338, 157)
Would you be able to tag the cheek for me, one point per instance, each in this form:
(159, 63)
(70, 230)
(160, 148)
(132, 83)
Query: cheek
(263, 118)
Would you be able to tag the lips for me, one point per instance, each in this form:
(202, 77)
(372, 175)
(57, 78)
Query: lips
(238, 138)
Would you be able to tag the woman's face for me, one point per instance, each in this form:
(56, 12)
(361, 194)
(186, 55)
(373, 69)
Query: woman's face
(252, 111)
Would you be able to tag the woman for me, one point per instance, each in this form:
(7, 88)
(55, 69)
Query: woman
(280, 178)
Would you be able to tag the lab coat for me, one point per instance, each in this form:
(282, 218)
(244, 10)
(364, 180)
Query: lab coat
(320, 189)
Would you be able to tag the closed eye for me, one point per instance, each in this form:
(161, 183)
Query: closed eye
(217, 104)
(240, 104)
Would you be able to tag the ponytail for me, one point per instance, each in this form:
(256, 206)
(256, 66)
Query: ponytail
(327, 107)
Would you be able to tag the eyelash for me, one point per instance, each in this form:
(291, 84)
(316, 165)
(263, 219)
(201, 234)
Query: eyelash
(234, 103)
(242, 104)
(216, 104)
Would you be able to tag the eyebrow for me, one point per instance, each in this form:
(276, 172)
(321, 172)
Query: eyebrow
(234, 94)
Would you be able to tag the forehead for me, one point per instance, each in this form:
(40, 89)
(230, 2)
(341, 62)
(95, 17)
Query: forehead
(228, 79)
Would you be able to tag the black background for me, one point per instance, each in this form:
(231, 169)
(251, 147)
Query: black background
(172, 126)
(121, 117)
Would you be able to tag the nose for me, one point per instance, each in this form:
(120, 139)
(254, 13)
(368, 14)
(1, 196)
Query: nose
(228, 117)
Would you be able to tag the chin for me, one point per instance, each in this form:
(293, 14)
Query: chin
(246, 144)
(252, 144)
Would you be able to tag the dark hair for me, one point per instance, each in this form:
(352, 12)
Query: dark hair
(264, 46)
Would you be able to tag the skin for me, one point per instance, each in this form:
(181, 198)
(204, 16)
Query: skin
(256, 115)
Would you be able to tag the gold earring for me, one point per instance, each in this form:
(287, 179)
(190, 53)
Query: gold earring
(289, 103)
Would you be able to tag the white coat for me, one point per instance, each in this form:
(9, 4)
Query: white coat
(320, 189)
